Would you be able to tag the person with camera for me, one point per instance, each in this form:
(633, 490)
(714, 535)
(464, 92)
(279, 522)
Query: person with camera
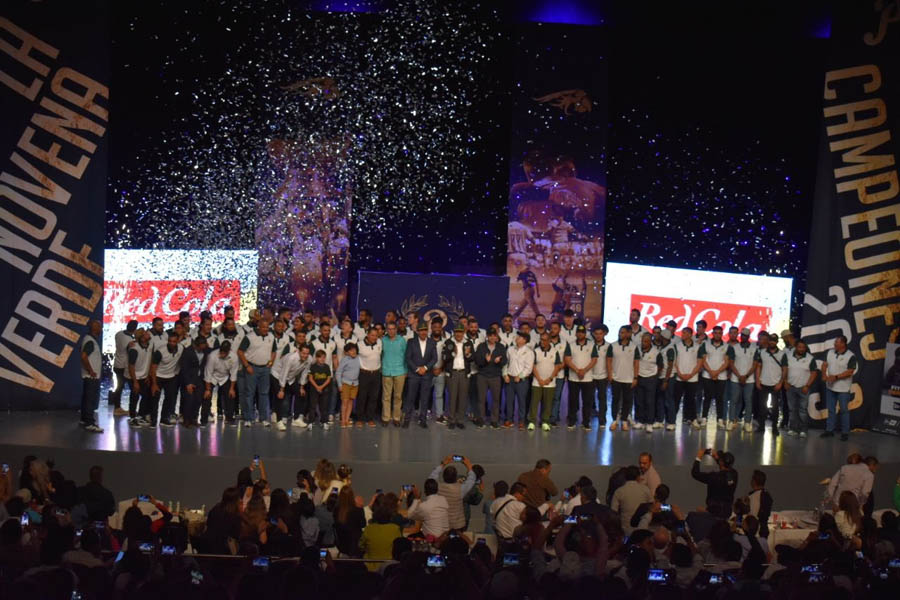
(433, 511)
(720, 484)
(452, 489)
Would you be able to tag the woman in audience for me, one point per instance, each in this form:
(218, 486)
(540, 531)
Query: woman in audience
(254, 522)
(309, 524)
(378, 537)
(326, 481)
(325, 515)
(223, 525)
(848, 516)
(39, 484)
(349, 521)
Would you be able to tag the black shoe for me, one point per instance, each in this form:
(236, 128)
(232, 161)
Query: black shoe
(405, 424)
(495, 425)
(479, 424)
(827, 434)
(451, 425)
(460, 426)
(844, 437)
(423, 424)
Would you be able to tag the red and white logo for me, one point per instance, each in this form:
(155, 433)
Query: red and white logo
(144, 300)
(658, 310)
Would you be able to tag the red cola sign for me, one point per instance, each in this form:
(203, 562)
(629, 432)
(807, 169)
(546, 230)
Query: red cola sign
(144, 300)
(658, 310)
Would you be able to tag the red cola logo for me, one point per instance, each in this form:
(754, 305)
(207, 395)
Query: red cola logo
(658, 310)
(143, 300)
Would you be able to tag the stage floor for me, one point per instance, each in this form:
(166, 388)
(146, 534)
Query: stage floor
(195, 465)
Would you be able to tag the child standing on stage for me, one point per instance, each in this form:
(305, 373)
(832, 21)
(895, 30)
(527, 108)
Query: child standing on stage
(347, 378)
(319, 380)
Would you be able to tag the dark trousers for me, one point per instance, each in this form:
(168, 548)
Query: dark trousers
(139, 405)
(582, 391)
(459, 388)
(169, 390)
(367, 397)
(193, 403)
(484, 384)
(418, 393)
(600, 387)
(685, 393)
(90, 399)
(318, 402)
(645, 407)
(226, 404)
(299, 398)
(114, 398)
(622, 398)
(714, 389)
(768, 395)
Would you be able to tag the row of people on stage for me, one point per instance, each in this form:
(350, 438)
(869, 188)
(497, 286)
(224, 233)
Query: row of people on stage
(299, 371)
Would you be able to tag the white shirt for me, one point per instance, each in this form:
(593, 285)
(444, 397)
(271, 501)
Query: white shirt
(686, 359)
(567, 335)
(837, 364)
(508, 338)
(434, 512)
(422, 345)
(800, 368)
(219, 370)
(560, 347)
(168, 362)
(771, 369)
(328, 347)
(668, 354)
(520, 362)
(258, 348)
(853, 478)
(281, 343)
(91, 347)
(139, 356)
(715, 356)
(506, 520)
(359, 332)
(340, 341)
(158, 340)
(459, 360)
(123, 338)
(235, 339)
(744, 356)
(291, 368)
(599, 371)
(544, 362)
(623, 358)
(581, 355)
(370, 356)
(651, 361)
(439, 348)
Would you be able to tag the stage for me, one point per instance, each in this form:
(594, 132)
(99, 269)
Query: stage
(193, 466)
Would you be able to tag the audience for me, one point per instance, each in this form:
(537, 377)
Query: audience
(315, 540)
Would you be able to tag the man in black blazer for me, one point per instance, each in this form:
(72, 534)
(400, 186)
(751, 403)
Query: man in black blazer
(193, 362)
(421, 356)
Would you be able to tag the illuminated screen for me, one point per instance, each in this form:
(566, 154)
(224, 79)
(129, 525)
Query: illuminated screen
(143, 284)
(758, 302)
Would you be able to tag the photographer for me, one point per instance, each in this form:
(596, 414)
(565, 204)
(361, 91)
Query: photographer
(720, 484)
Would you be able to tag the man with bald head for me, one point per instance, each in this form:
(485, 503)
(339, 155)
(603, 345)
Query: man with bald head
(90, 376)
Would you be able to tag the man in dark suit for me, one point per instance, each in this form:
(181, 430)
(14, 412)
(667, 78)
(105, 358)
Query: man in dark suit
(193, 362)
(421, 356)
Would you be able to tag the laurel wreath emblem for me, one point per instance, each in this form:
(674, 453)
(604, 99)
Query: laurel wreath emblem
(453, 307)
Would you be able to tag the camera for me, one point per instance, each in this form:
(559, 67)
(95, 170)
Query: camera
(457, 458)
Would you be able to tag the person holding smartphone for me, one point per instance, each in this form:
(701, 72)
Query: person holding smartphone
(433, 511)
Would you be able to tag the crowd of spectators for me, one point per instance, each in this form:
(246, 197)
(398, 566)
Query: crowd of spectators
(320, 538)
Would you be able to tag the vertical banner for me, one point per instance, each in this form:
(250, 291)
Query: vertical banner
(54, 77)
(303, 226)
(854, 256)
(557, 196)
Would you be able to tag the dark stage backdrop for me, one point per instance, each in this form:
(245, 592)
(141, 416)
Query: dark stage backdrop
(853, 265)
(54, 64)
(447, 296)
(557, 196)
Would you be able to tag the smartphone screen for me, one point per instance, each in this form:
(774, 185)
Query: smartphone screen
(457, 458)
(665, 507)
(435, 561)
(261, 562)
(323, 553)
(656, 576)
(571, 520)
(144, 498)
(146, 547)
(24, 519)
(510, 560)
(5, 468)
(256, 460)
(168, 550)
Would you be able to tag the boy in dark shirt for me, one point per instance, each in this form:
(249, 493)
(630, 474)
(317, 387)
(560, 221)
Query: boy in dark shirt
(319, 380)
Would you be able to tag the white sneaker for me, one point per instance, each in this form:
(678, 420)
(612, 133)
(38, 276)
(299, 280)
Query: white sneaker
(267, 423)
(545, 427)
(93, 428)
(625, 426)
(695, 424)
(331, 418)
(309, 427)
(730, 426)
(803, 434)
(648, 428)
(327, 425)
(720, 424)
(248, 423)
(531, 427)
(702, 421)
(281, 426)
(274, 417)
(670, 427)
(748, 427)
(657, 425)
(298, 422)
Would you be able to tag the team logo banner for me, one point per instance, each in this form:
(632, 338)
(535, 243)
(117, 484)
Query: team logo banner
(854, 256)
(557, 196)
(145, 284)
(54, 73)
(446, 296)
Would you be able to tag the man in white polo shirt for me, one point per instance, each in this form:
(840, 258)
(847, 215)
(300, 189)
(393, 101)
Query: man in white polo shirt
(165, 366)
(120, 366)
(802, 372)
(622, 367)
(580, 358)
(687, 369)
(547, 364)
(517, 376)
(770, 375)
(666, 411)
(90, 376)
(838, 370)
(742, 359)
(560, 344)
(257, 355)
(649, 367)
(713, 352)
(600, 374)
